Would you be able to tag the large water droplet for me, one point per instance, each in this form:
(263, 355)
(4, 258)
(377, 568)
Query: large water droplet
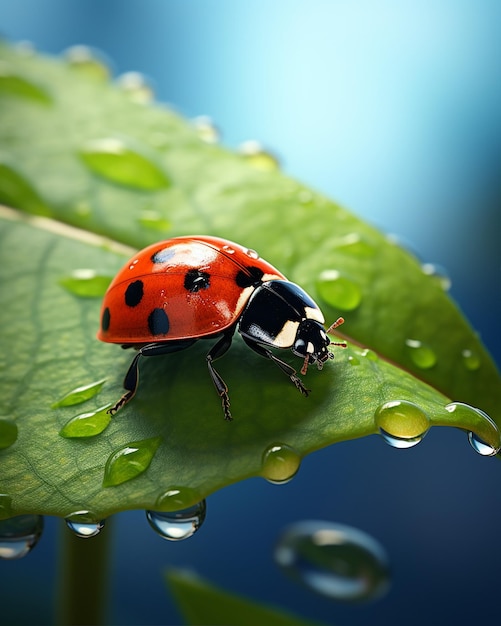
(130, 461)
(87, 424)
(280, 463)
(19, 535)
(15, 190)
(137, 87)
(339, 291)
(84, 524)
(471, 360)
(401, 423)
(112, 159)
(90, 61)
(86, 283)
(80, 394)
(254, 153)
(336, 561)
(483, 421)
(421, 354)
(438, 274)
(177, 525)
(21, 87)
(8, 433)
(154, 221)
(206, 129)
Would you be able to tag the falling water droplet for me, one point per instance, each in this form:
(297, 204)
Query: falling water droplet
(355, 244)
(80, 394)
(254, 153)
(421, 354)
(471, 360)
(15, 190)
(8, 433)
(206, 129)
(92, 62)
(123, 164)
(19, 535)
(137, 87)
(477, 415)
(336, 561)
(401, 423)
(130, 461)
(87, 424)
(339, 291)
(280, 463)
(177, 525)
(84, 524)
(154, 221)
(438, 274)
(86, 283)
(16, 85)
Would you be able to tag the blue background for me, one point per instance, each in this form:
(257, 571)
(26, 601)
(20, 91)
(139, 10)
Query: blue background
(391, 108)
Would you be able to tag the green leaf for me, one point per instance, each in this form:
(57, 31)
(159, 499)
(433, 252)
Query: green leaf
(410, 352)
(204, 604)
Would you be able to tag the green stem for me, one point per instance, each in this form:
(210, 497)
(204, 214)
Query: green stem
(83, 579)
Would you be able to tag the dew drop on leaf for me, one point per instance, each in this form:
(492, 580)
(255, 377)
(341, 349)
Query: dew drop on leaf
(177, 525)
(84, 524)
(420, 354)
(356, 245)
(369, 355)
(86, 283)
(16, 191)
(339, 291)
(339, 562)
(15, 85)
(471, 360)
(91, 62)
(206, 129)
(129, 461)
(87, 424)
(176, 498)
(438, 274)
(80, 394)
(401, 423)
(19, 535)
(280, 463)
(259, 158)
(484, 421)
(137, 87)
(111, 158)
(8, 433)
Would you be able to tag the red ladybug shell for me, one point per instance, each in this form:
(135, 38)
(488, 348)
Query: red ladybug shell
(186, 287)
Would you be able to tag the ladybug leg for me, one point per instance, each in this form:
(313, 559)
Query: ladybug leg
(285, 367)
(216, 352)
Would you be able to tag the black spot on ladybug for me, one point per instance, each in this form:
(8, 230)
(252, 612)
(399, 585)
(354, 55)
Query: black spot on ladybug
(162, 256)
(134, 293)
(158, 322)
(105, 319)
(195, 280)
(252, 276)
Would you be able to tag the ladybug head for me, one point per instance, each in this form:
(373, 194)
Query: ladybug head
(312, 342)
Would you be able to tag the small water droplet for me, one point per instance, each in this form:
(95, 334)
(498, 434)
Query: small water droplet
(338, 290)
(401, 423)
(471, 360)
(5, 506)
(336, 561)
(116, 161)
(438, 273)
(483, 421)
(353, 360)
(206, 129)
(369, 355)
(355, 244)
(8, 433)
(154, 221)
(177, 525)
(86, 283)
(19, 535)
(80, 394)
(252, 253)
(130, 461)
(90, 61)
(16, 85)
(84, 524)
(421, 354)
(254, 153)
(137, 87)
(87, 424)
(280, 463)
(15, 190)
(228, 249)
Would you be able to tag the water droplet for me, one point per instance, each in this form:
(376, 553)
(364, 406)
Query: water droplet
(401, 423)
(252, 254)
(119, 163)
(137, 87)
(471, 360)
(438, 273)
(339, 291)
(130, 461)
(229, 249)
(421, 354)
(154, 221)
(404, 244)
(258, 157)
(83, 524)
(8, 433)
(356, 244)
(5, 506)
(369, 355)
(176, 499)
(353, 360)
(336, 561)
(16, 191)
(482, 424)
(19, 535)
(206, 129)
(87, 424)
(177, 525)
(15, 85)
(280, 463)
(86, 283)
(90, 61)
(80, 394)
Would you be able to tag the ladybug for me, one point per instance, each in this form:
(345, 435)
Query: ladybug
(175, 292)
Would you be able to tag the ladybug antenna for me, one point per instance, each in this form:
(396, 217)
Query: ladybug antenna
(338, 322)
